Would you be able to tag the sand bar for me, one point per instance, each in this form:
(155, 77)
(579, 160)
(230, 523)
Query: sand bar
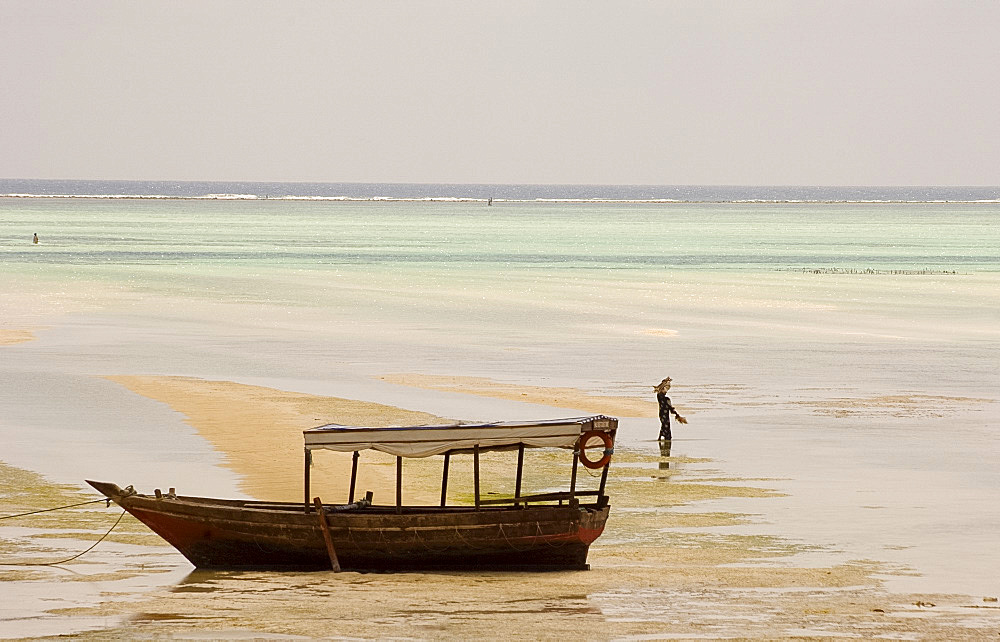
(259, 431)
(555, 397)
(11, 336)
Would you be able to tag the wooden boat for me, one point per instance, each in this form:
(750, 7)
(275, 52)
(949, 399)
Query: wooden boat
(545, 531)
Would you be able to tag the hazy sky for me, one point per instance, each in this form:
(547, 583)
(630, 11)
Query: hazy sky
(700, 92)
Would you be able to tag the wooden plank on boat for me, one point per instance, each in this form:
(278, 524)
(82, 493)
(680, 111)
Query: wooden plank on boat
(541, 497)
(334, 563)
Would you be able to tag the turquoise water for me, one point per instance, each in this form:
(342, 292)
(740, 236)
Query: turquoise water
(573, 283)
(462, 236)
(598, 296)
(847, 351)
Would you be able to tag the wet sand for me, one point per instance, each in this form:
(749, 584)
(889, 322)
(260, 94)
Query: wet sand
(546, 396)
(11, 336)
(662, 569)
(259, 431)
(899, 406)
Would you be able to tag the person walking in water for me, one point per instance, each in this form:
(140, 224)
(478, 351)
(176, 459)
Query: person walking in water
(35, 239)
(665, 409)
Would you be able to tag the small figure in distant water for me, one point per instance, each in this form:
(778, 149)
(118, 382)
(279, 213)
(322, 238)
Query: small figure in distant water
(490, 201)
(35, 239)
(665, 409)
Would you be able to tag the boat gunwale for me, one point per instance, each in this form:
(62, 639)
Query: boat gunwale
(189, 505)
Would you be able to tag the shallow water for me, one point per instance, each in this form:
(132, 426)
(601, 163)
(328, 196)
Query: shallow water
(868, 398)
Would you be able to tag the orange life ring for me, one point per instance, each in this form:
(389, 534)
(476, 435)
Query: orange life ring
(608, 448)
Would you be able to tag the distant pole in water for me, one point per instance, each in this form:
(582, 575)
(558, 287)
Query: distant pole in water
(35, 238)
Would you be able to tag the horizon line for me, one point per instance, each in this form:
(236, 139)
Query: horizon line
(394, 182)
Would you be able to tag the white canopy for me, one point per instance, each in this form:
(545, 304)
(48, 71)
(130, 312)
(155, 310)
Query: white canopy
(424, 441)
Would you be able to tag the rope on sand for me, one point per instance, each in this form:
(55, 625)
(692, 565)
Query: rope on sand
(68, 559)
(46, 510)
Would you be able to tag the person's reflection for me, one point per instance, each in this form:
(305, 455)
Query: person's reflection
(665, 452)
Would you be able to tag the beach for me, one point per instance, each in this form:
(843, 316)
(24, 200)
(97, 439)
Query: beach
(690, 583)
(836, 477)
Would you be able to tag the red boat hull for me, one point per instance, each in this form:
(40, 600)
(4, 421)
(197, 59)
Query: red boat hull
(233, 534)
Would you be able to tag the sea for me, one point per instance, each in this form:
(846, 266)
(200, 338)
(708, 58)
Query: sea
(841, 345)
(485, 192)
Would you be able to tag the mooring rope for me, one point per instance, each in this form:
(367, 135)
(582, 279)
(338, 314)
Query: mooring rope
(46, 510)
(68, 559)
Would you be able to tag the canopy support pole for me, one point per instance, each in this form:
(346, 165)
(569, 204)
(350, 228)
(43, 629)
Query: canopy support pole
(520, 472)
(444, 478)
(475, 460)
(399, 484)
(604, 480)
(572, 479)
(305, 475)
(354, 477)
